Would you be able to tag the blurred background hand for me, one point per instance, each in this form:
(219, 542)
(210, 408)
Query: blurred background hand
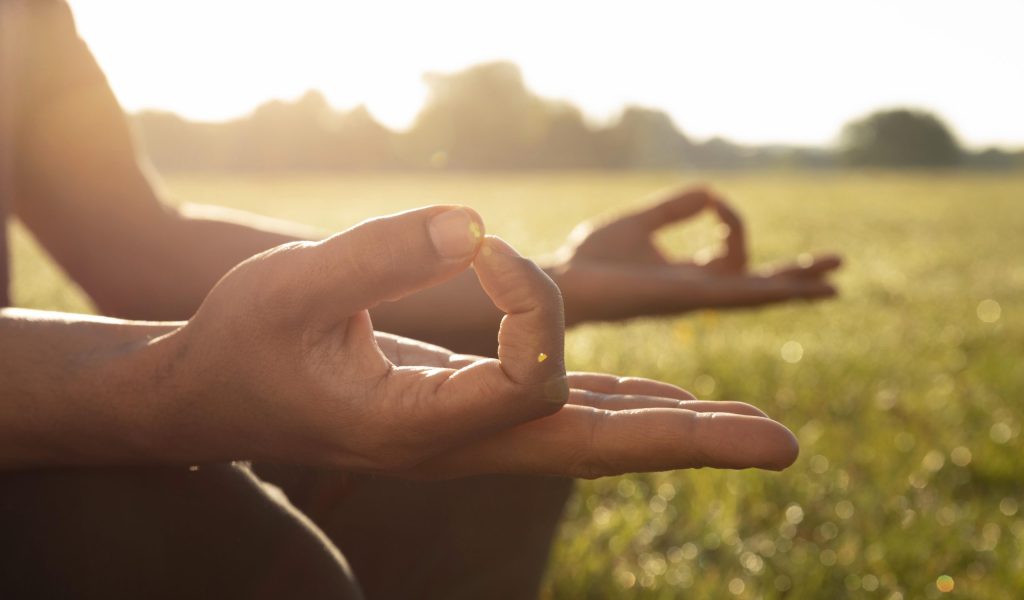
(615, 270)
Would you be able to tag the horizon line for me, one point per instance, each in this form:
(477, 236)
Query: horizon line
(593, 122)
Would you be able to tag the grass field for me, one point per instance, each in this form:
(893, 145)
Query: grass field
(908, 398)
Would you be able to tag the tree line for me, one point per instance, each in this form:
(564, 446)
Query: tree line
(486, 118)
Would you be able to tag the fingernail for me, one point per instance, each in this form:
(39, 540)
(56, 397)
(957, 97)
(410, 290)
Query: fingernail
(455, 233)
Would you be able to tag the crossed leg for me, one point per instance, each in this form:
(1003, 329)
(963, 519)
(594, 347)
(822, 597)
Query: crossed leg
(160, 533)
(476, 537)
(220, 532)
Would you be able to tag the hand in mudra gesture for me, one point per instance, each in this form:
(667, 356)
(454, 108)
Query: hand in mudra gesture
(281, 364)
(614, 269)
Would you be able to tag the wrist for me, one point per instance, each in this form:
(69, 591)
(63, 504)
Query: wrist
(136, 385)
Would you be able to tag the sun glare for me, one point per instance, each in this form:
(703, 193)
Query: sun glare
(217, 60)
(788, 71)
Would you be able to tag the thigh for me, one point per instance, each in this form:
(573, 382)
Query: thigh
(159, 533)
(478, 537)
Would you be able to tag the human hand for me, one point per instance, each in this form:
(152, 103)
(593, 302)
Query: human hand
(601, 431)
(615, 270)
(281, 364)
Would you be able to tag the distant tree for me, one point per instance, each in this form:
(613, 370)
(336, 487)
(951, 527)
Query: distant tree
(719, 153)
(284, 135)
(995, 158)
(304, 134)
(899, 138)
(645, 138)
(355, 140)
(483, 117)
(568, 142)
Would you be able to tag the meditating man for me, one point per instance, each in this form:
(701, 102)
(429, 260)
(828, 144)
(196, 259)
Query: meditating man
(424, 472)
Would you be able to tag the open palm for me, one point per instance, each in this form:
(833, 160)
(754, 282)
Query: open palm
(563, 444)
(291, 365)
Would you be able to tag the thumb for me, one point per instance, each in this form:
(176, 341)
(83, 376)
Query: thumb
(389, 257)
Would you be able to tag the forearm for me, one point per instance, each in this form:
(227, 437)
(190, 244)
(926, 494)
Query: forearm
(160, 263)
(85, 197)
(193, 247)
(77, 390)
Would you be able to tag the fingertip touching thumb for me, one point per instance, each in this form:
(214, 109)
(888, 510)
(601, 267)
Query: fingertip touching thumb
(456, 233)
(531, 341)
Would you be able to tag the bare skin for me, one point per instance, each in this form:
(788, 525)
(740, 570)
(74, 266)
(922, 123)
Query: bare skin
(314, 387)
(614, 270)
(88, 201)
(79, 390)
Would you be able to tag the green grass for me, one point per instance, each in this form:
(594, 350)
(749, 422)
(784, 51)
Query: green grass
(908, 406)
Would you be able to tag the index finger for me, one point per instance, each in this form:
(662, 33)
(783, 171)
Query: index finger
(679, 206)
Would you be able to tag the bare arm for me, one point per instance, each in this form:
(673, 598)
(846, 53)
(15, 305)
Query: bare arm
(86, 198)
(95, 209)
(281, 364)
(64, 402)
(98, 214)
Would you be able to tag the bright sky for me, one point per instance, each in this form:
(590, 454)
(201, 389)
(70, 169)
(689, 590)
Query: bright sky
(753, 71)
